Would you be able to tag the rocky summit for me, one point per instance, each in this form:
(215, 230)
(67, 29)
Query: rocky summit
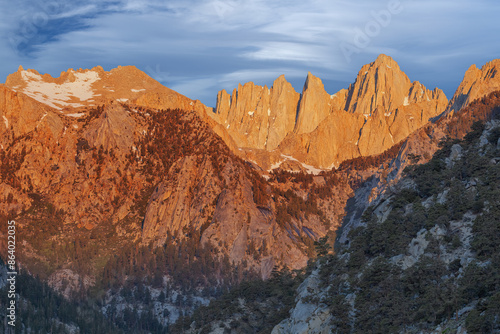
(377, 111)
(476, 84)
(75, 89)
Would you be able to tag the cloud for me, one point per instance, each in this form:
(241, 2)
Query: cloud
(199, 47)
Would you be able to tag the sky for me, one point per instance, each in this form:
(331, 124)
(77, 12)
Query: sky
(200, 47)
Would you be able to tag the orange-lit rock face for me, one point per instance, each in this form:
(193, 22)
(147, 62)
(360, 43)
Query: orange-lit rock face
(378, 110)
(74, 89)
(476, 83)
(256, 116)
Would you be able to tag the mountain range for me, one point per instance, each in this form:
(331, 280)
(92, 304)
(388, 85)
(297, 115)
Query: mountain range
(118, 183)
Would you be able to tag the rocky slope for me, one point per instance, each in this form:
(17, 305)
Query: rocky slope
(381, 108)
(140, 174)
(423, 258)
(380, 193)
(94, 87)
(476, 84)
(128, 199)
(87, 190)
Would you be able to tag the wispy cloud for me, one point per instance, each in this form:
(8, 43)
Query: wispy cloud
(198, 47)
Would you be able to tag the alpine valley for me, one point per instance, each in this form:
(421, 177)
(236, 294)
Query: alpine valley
(375, 209)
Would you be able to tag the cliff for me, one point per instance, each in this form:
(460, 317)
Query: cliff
(381, 108)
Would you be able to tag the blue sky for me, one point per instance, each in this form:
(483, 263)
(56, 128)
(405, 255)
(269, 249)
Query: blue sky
(200, 47)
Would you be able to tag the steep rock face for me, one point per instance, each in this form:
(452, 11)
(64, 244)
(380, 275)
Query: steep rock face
(256, 116)
(113, 129)
(385, 129)
(221, 208)
(333, 141)
(476, 83)
(342, 135)
(307, 317)
(314, 105)
(18, 113)
(383, 85)
(173, 201)
(381, 108)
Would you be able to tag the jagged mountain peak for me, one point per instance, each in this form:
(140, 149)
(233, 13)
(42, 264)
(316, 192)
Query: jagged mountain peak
(312, 79)
(384, 59)
(257, 116)
(383, 84)
(279, 79)
(476, 83)
(382, 96)
(314, 105)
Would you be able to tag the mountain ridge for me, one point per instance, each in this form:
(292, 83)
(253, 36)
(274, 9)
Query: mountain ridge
(110, 195)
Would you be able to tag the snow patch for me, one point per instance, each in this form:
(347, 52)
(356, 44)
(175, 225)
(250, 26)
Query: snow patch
(251, 113)
(406, 102)
(269, 112)
(122, 100)
(309, 169)
(75, 115)
(334, 164)
(6, 121)
(138, 90)
(276, 165)
(58, 95)
(75, 126)
(228, 126)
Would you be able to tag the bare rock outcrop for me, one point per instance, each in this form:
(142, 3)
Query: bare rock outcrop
(113, 129)
(314, 105)
(93, 87)
(256, 116)
(381, 108)
(195, 200)
(476, 84)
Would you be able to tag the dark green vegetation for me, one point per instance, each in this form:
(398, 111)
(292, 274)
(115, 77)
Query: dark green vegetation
(41, 310)
(252, 307)
(451, 210)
